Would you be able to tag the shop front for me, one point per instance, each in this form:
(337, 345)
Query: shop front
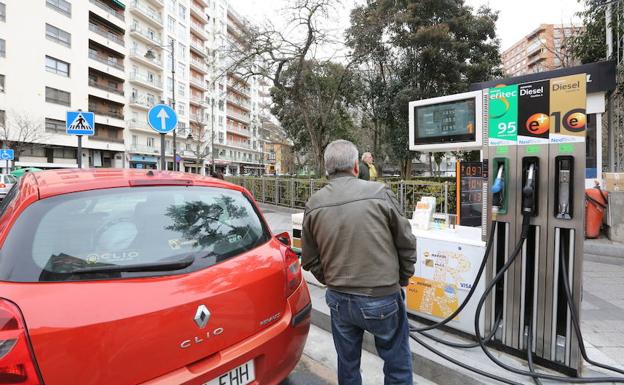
(144, 162)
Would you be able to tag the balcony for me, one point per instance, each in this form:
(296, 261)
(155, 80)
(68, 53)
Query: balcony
(149, 15)
(239, 102)
(110, 10)
(199, 101)
(239, 131)
(139, 56)
(197, 118)
(244, 118)
(106, 139)
(146, 81)
(143, 149)
(138, 125)
(200, 30)
(245, 145)
(198, 47)
(158, 3)
(142, 101)
(145, 35)
(106, 60)
(199, 65)
(106, 88)
(238, 87)
(107, 34)
(199, 83)
(198, 11)
(201, 3)
(103, 112)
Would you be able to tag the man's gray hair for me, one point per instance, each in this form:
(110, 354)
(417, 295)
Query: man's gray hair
(364, 155)
(340, 155)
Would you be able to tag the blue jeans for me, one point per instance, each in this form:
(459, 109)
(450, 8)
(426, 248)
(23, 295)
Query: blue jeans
(385, 318)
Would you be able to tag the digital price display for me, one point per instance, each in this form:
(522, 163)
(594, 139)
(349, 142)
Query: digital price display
(470, 193)
(445, 122)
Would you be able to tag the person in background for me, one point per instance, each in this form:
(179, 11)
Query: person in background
(356, 241)
(367, 168)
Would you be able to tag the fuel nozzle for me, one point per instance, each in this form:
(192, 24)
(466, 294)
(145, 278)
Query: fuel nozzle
(528, 192)
(498, 189)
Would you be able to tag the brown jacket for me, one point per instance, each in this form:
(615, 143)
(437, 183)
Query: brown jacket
(355, 239)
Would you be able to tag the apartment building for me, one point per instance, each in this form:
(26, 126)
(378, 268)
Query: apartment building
(117, 59)
(67, 56)
(238, 149)
(278, 155)
(541, 50)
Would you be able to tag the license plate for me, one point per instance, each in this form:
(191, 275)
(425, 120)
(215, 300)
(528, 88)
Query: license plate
(242, 375)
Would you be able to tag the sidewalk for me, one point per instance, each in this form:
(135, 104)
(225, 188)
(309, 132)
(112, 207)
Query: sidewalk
(602, 319)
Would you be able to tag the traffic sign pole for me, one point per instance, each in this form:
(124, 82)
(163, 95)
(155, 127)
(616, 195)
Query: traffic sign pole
(163, 160)
(79, 155)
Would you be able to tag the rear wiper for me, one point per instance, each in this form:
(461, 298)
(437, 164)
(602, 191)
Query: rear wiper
(141, 267)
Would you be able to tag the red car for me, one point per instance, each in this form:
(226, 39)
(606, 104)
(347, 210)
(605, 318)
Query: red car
(115, 276)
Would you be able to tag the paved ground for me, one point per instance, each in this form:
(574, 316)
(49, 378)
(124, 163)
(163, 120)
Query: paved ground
(603, 297)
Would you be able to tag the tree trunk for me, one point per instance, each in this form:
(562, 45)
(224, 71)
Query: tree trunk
(406, 168)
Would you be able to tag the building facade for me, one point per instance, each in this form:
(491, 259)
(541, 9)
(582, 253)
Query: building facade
(118, 59)
(278, 150)
(544, 49)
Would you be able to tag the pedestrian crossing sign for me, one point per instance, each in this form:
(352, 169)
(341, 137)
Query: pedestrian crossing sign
(80, 123)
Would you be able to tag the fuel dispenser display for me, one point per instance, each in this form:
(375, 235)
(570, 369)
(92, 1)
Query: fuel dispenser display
(533, 255)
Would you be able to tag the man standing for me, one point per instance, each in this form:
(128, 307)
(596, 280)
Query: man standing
(367, 168)
(356, 241)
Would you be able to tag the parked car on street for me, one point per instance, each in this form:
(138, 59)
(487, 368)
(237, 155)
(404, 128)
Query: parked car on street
(117, 276)
(6, 182)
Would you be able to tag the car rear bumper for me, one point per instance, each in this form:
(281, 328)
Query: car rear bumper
(275, 351)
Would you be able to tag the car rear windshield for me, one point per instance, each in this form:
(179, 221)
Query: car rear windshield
(65, 237)
(10, 179)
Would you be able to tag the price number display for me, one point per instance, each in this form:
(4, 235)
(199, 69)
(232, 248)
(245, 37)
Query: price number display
(470, 193)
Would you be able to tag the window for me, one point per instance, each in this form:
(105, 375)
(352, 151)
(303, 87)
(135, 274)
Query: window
(60, 6)
(181, 88)
(151, 217)
(182, 51)
(181, 109)
(54, 125)
(135, 140)
(58, 35)
(150, 142)
(57, 96)
(171, 6)
(2, 12)
(2, 48)
(57, 66)
(2, 84)
(64, 153)
(171, 23)
(182, 70)
(182, 12)
(181, 32)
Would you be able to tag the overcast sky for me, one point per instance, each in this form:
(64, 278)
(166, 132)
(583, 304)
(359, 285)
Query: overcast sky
(517, 18)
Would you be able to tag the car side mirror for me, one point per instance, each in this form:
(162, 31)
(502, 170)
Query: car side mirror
(284, 238)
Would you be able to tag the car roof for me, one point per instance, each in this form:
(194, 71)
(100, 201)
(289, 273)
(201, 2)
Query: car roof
(55, 182)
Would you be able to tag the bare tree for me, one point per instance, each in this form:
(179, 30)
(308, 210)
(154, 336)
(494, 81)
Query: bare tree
(20, 131)
(561, 52)
(285, 57)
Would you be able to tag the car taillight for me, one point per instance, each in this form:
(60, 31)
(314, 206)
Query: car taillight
(17, 364)
(293, 270)
(2, 185)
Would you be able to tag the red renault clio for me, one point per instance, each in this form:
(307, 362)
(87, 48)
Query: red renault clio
(143, 277)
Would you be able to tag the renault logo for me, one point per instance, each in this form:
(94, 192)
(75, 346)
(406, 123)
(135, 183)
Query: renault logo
(202, 316)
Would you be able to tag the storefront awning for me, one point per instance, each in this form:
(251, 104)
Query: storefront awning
(119, 4)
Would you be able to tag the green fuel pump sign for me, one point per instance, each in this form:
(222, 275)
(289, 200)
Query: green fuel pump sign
(503, 115)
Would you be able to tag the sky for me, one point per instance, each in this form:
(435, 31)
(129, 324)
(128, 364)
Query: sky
(516, 18)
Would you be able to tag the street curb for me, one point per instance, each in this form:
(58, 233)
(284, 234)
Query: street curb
(604, 248)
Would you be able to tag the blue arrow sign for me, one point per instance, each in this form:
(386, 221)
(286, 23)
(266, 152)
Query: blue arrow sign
(162, 118)
(80, 123)
(6, 154)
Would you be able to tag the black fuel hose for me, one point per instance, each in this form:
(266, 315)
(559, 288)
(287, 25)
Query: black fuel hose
(576, 324)
(459, 345)
(499, 276)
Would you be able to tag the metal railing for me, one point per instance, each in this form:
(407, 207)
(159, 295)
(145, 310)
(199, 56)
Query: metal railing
(147, 12)
(105, 60)
(237, 115)
(239, 102)
(117, 13)
(145, 79)
(201, 83)
(238, 130)
(294, 192)
(199, 64)
(106, 33)
(114, 90)
(155, 38)
(136, 53)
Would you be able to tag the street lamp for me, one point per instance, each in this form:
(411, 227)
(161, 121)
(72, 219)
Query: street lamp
(150, 56)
